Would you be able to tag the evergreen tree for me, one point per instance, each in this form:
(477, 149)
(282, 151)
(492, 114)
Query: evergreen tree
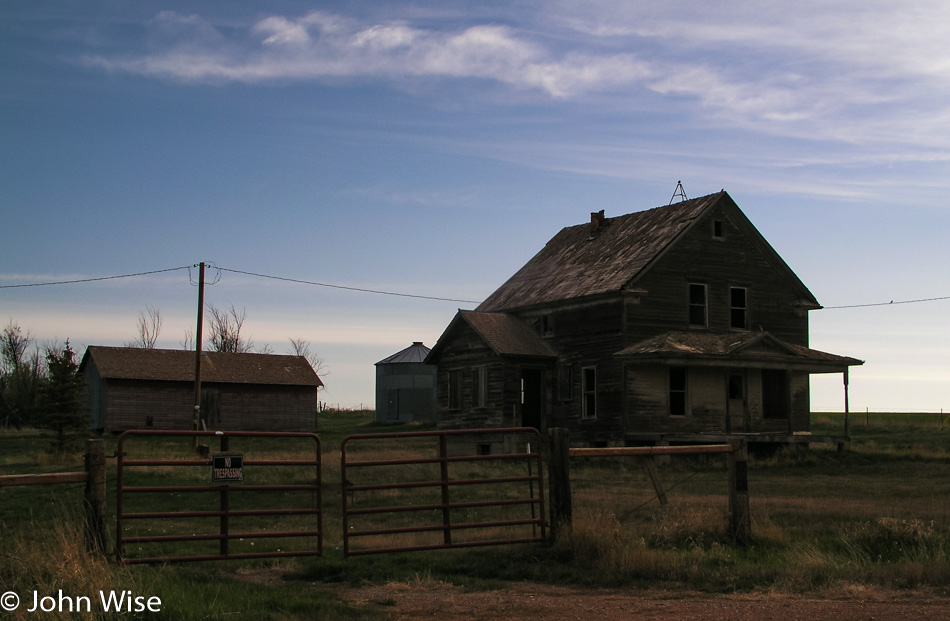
(62, 400)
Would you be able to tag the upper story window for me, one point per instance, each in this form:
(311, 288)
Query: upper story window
(698, 305)
(739, 308)
(547, 325)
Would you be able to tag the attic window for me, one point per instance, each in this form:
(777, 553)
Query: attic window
(718, 229)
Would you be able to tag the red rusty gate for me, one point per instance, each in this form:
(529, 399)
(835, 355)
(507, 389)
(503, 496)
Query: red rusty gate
(441, 489)
(256, 497)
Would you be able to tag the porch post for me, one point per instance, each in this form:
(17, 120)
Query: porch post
(847, 420)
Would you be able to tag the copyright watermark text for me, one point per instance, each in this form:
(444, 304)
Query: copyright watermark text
(105, 601)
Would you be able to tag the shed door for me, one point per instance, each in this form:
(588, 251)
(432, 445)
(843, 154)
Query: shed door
(392, 405)
(532, 397)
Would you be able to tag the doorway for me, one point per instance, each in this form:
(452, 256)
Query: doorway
(532, 397)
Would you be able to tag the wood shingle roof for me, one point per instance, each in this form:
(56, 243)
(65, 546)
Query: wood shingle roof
(583, 261)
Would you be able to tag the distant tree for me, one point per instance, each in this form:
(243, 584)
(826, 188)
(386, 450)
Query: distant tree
(301, 347)
(21, 375)
(224, 331)
(150, 325)
(188, 342)
(62, 404)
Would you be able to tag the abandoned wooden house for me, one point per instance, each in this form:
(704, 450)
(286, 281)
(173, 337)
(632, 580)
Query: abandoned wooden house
(674, 324)
(133, 388)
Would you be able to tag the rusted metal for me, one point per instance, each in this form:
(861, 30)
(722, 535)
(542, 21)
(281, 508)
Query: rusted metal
(631, 451)
(448, 525)
(224, 491)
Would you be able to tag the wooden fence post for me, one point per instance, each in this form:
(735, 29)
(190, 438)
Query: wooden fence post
(559, 480)
(740, 523)
(95, 496)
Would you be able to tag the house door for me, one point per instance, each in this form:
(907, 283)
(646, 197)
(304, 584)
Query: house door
(739, 419)
(532, 397)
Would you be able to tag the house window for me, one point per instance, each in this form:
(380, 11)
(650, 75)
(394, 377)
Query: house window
(547, 325)
(589, 390)
(697, 305)
(455, 390)
(480, 387)
(738, 308)
(677, 391)
(565, 382)
(719, 229)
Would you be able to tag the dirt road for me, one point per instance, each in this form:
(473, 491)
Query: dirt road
(529, 601)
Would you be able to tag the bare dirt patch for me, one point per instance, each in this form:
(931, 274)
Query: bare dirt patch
(426, 600)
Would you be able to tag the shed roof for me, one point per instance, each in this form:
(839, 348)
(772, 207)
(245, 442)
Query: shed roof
(415, 353)
(173, 365)
(505, 334)
(580, 261)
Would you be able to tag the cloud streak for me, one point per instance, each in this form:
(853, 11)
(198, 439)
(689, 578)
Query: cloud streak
(321, 45)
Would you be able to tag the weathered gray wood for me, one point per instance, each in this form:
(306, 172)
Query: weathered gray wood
(639, 451)
(740, 522)
(95, 496)
(559, 480)
(11, 480)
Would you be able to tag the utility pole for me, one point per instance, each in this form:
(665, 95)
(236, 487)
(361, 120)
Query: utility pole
(198, 340)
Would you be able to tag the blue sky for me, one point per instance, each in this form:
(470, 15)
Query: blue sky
(431, 150)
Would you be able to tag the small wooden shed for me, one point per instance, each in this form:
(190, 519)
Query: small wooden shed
(405, 387)
(133, 388)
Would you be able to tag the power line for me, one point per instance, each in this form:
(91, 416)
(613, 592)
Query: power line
(81, 280)
(375, 291)
(891, 303)
(322, 284)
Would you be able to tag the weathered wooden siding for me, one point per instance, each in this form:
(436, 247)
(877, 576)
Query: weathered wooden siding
(588, 335)
(734, 261)
(134, 404)
(466, 352)
(647, 390)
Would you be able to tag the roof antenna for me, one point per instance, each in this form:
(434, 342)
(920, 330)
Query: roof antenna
(679, 191)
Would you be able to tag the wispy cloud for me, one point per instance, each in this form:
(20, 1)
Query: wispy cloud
(322, 45)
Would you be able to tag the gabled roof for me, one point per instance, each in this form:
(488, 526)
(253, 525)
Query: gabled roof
(416, 352)
(578, 262)
(173, 365)
(748, 349)
(505, 334)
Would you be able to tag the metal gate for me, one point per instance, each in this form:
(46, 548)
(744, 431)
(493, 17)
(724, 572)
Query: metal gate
(255, 495)
(441, 489)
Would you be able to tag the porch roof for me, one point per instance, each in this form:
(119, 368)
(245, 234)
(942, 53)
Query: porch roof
(734, 349)
(505, 334)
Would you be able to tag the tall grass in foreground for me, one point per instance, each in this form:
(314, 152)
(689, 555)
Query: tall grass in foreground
(876, 515)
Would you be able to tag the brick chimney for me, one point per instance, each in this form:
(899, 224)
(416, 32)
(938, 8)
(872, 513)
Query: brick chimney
(596, 221)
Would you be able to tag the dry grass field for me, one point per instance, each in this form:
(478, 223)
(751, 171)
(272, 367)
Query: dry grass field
(867, 527)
